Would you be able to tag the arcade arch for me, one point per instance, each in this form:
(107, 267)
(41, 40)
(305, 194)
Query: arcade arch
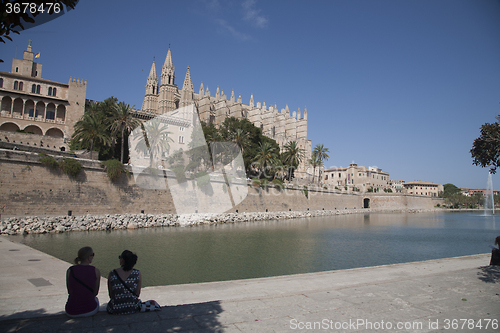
(54, 132)
(33, 129)
(9, 127)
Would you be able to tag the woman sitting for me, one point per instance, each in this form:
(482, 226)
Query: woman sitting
(124, 286)
(82, 282)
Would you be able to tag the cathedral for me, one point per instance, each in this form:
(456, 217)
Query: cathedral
(164, 95)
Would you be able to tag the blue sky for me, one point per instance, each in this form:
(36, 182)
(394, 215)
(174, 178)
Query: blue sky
(401, 85)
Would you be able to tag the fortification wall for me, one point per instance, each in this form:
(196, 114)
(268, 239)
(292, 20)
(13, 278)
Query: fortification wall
(395, 202)
(29, 188)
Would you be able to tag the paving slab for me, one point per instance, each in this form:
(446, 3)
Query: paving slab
(451, 294)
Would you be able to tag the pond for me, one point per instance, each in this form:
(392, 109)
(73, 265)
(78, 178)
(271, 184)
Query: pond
(244, 250)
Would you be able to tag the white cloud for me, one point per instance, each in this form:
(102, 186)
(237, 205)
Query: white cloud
(252, 15)
(228, 28)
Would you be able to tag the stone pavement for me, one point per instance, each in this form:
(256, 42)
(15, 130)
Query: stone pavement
(452, 294)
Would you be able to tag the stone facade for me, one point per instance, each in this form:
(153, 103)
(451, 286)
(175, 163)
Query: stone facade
(423, 188)
(164, 96)
(360, 177)
(39, 106)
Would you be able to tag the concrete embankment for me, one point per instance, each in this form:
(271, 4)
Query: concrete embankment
(450, 294)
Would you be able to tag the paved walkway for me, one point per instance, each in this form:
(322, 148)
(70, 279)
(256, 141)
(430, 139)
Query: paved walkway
(429, 296)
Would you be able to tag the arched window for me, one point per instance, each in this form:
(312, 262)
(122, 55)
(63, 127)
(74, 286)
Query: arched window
(33, 88)
(1, 83)
(21, 86)
(54, 91)
(50, 91)
(38, 89)
(16, 85)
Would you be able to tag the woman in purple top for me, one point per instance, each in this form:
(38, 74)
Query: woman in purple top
(83, 281)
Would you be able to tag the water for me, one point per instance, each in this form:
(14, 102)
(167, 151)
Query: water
(271, 248)
(489, 201)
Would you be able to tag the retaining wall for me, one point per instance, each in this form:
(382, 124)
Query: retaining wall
(29, 188)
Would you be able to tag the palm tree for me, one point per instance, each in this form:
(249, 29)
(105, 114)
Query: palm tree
(322, 155)
(91, 129)
(293, 155)
(240, 137)
(122, 121)
(266, 156)
(315, 162)
(153, 138)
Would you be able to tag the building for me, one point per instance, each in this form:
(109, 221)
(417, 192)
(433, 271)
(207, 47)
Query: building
(470, 192)
(397, 186)
(43, 108)
(163, 95)
(363, 178)
(423, 188)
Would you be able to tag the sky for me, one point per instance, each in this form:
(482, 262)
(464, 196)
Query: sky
(401, 85)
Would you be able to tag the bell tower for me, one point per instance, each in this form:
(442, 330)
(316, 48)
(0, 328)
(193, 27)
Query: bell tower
(150, 103)
(167, 100)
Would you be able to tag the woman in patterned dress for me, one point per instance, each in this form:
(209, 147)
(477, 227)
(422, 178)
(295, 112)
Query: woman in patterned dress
(124, 286)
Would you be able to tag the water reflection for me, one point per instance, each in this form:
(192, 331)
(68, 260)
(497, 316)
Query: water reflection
(269, 248)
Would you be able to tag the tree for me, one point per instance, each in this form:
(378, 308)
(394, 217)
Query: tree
(315, 162)
(91, 129)
(153, 139)
(322, 155)
(486, 149)
(449, 190)
(266, 157)
(16, 16)
(227, 132)
(292, 155)
(122, 121)
(241, 138)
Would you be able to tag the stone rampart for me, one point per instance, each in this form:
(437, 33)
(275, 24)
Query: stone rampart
(29, 188)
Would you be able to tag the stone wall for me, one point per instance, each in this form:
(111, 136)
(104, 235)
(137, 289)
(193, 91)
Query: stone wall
(29, 188)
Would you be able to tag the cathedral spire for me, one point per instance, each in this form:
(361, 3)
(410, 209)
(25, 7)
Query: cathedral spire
(168, 70)
(168, 59)
(202, 90)
(152, 72)
(188, 85)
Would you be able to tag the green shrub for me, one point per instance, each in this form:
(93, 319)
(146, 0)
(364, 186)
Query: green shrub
(179, 173)
(49, 161)
(114, 168)
(256, 182)
(202, 179)
(264, 182)
(306, 192)
(277, 181)
(70, 166)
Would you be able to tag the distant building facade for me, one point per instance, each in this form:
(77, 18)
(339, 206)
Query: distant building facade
(361, 177)
(163, 95)
(423, 188)
(39, 106)
(397, 186)
(470, 192)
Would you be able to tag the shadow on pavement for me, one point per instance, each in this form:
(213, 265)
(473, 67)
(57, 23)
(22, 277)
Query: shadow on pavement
(489, 274)
(188, 317)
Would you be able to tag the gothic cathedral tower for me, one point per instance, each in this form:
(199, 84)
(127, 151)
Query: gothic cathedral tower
(150, 103)
(168, 99)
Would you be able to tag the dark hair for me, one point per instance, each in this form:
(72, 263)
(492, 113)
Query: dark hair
(497, 240)
(129, 260)
(83, 254)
